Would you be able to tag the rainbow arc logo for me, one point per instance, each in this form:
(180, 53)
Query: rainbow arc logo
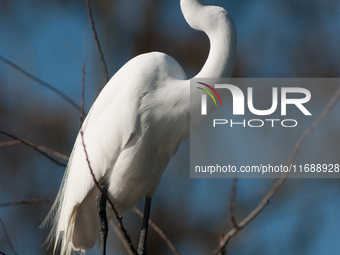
(204, 97)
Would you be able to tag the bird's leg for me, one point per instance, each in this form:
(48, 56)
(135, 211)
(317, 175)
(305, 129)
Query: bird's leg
(101, 206)
(144, 231)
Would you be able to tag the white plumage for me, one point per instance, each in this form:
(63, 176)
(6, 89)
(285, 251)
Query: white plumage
(133, 129)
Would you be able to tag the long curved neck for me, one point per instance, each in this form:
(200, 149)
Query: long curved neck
(220, 28)
(222, 54)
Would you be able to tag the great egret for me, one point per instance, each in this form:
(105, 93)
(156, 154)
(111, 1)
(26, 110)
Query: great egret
(133, 129)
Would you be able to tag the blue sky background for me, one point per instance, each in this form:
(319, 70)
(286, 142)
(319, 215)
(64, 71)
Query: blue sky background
(53, 39)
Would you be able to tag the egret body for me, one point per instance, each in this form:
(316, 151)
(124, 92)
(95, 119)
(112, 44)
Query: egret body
(134, 128)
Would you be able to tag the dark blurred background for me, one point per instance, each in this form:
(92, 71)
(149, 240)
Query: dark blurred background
(53, 39)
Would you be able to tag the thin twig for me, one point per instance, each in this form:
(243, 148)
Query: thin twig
(82, 113)
(223, 250)
(159, 232)
(324, 113)
(7, 237)
(118, 217)
(38, 148)
(102, 60)
(232, 203)
(10, 143)
(50, 87)
(283, 177)
(28, 202)
(2, 253)
(121, 237)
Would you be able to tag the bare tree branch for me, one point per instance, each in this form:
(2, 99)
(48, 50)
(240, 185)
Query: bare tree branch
(42, 150)
(40, 147)
(321, 117)
(282, 179)
(223, 250)
(50, 87)
(124, 241)
(121, 237)
(232, 203)
(102, 60)
(82, 113)
(10, 143)
(28, 202)
(159, 232)
(7, 237)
